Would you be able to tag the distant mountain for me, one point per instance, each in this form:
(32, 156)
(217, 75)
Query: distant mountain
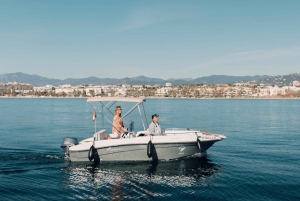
(185, 79)
(279, 79)
(223, 79)
(147, 79)
(37, 80)
(84, 81)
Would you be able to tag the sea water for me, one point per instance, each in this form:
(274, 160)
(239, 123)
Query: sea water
(259, 160)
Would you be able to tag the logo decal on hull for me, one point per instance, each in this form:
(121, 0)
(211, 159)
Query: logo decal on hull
(181, 150)
(114, 149)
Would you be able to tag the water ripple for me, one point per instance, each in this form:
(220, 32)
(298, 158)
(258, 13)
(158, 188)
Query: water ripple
(258, 161)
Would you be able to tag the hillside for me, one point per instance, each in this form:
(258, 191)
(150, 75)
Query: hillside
(279, 79)
(37, 80)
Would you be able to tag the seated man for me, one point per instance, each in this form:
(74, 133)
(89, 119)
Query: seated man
(154, 127)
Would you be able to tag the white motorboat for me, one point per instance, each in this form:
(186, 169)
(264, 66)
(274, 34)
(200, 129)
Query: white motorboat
(174, 143)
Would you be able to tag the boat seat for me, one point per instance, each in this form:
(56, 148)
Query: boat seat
(100, 135)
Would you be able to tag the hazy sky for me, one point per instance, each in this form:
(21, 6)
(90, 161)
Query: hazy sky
(164, 39)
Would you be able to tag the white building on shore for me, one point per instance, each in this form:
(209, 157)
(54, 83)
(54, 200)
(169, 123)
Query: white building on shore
(273, 91)
(296, 83)
(46, 88)
(137, 87)
(168, 84)
(15, 87)
(69, 90)
(126, 86)
(162, 92)
(94, 90)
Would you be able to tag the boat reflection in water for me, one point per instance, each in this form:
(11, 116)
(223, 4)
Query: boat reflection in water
(136, 180)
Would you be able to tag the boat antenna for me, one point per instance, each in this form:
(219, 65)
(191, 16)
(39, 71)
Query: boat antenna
(102, 117)
(145, 115)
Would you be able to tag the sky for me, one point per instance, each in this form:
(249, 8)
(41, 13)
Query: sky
(162, 39)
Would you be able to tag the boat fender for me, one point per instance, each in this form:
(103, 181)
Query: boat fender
(149, 149)
(92, 152)
(199, 144)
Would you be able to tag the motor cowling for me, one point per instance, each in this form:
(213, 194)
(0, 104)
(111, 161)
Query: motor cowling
(68, 142)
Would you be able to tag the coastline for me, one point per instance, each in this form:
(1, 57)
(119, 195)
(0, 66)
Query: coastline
(159, 98)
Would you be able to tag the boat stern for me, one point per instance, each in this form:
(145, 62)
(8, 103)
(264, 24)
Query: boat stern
(67, 143)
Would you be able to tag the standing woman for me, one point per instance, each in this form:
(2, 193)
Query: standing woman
(118, 125)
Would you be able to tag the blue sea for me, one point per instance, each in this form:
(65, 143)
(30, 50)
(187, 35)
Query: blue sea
(259, 160)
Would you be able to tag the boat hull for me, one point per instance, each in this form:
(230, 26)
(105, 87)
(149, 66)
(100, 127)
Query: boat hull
(175, 144)
(139, 152)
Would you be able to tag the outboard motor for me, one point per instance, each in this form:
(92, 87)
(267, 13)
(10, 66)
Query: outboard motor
(67, 143)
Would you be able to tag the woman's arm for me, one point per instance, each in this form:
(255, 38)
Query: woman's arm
(123, 127)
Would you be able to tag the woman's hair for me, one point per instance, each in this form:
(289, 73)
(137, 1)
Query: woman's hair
(117, 107)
